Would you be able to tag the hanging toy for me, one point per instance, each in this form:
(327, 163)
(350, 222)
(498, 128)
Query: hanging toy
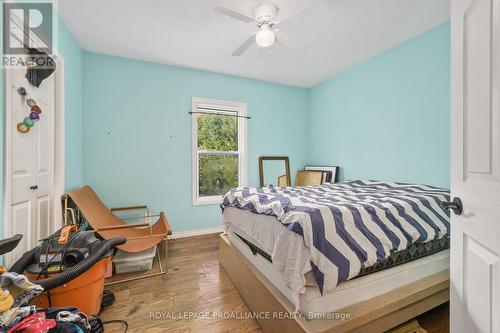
(22, 91)
(36, 108)
(28, 122)
(34, 116)
(31, 102)
(21, 127)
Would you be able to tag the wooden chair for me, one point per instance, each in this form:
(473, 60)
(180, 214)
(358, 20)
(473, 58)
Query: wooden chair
(140, 236)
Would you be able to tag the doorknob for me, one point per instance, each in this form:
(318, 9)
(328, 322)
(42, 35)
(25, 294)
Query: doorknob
(455, 205)
(34, 187)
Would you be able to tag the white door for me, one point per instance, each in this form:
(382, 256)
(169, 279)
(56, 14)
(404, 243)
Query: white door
(475, 150)
(30, 162)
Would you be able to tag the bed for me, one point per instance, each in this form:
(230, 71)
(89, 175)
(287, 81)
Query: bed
(319, 251)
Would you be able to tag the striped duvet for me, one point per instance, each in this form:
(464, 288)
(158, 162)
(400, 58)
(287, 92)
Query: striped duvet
(350, 225)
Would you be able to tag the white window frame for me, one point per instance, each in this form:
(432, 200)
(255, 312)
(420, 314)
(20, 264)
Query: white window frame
(230, 106)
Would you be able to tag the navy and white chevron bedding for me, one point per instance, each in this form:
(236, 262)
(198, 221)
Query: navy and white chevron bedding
(350, 225)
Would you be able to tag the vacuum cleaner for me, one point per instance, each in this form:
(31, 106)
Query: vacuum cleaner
(71, 268)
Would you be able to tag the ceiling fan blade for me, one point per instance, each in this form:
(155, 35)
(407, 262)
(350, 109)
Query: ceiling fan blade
(234, 14)
(293, 8)
(288, 41)
(244, 46)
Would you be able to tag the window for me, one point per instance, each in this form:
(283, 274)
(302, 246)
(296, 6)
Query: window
(219, 149)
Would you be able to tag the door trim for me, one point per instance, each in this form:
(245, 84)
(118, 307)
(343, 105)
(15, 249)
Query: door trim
(59, 145)
(59, 150)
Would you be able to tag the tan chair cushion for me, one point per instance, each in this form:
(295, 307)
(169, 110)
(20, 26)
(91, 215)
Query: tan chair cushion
(100, 217)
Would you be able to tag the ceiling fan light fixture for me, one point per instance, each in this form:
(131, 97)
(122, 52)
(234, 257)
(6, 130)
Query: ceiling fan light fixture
(265, 37)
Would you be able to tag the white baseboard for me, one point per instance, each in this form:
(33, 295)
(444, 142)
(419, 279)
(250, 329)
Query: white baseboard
(197, 232)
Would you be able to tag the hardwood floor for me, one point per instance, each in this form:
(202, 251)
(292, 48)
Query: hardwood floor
(436, 320)
(196, 285)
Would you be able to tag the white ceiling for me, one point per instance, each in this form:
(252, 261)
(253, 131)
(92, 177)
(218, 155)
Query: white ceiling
(335, 34)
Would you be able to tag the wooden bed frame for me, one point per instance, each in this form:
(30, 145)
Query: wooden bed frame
(378, 314)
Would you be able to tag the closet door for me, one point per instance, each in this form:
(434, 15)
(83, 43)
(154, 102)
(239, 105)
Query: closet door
(30, 162)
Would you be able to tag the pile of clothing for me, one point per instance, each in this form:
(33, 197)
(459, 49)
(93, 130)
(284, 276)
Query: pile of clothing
(17, 317)
(15, 291)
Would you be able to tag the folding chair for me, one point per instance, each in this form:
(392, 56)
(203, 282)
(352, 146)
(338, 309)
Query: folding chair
(83, 205)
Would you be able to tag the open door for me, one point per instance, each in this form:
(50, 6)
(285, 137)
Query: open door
(475, 176)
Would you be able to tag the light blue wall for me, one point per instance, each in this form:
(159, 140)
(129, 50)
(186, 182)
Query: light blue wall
(273, 169)
(73, 89)
(389, 117)
(147, 156)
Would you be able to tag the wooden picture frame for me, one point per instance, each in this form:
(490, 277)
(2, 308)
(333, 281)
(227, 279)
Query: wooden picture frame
(333, 169)
(274, 158)
(309, 177)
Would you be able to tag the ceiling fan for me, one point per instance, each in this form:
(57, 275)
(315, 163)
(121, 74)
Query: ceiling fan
(267, 17)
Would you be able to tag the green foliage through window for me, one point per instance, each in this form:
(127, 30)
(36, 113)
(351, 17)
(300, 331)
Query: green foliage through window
(218, 173)
(217, 132)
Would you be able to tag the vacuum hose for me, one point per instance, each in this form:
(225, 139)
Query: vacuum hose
(69, 274)
(27, 259)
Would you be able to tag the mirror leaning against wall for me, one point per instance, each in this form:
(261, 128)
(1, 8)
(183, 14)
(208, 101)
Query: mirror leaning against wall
(274, 170)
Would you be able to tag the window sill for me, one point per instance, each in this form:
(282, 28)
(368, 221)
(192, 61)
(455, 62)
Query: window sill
(217, 200)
